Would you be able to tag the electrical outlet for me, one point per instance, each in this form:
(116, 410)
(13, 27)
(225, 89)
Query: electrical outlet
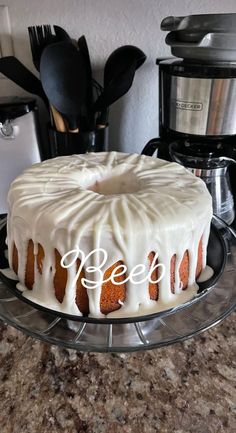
(6, 44)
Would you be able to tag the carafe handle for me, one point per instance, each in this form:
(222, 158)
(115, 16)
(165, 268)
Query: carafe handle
(226, 158)
(151, 146)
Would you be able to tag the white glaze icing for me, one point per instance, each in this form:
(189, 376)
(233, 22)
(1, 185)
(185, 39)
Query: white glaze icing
(128, 204)
(206, 274)
(9, 273)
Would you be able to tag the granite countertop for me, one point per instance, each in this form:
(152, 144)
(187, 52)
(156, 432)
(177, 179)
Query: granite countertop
(186, 388)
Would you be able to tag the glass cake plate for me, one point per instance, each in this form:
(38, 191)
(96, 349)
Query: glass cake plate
(216, 300)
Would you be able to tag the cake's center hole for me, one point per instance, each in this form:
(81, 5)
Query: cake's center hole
(123, 184)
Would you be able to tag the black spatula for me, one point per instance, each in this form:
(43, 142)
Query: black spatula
(121, 59)
(119, 73)
(63, 78)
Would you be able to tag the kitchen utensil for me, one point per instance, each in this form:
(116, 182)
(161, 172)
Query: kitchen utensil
(63, 77)
(58, 120)
(13, 69)
(83, 47)
(65, 143)
(40, 37)
(119, 73)
(120, 59)
(61, 34)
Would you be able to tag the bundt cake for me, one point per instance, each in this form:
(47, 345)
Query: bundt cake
(93, 233)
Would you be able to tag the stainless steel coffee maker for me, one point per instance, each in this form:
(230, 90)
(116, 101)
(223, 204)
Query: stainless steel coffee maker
(197, 103)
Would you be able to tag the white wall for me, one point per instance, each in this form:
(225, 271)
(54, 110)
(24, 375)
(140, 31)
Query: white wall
(108, 24)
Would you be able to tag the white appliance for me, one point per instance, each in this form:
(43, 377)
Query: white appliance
(19, 141)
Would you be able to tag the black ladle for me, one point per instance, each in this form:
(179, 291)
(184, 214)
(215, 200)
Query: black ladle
(119, 73)
(63, 78)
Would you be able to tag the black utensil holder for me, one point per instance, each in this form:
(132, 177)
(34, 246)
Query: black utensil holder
(68, 143)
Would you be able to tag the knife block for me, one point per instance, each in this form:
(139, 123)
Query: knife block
(67, 143)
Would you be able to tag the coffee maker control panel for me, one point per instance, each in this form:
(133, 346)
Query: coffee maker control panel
(197, 99)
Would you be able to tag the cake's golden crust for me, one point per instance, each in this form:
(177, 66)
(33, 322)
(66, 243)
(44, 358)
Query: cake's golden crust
(199, 259)
(183, 271)
(15, 259)
(29, 272)
(60, 278)
(39, 258)
(81, 299)
(111, 295)
(153, 287)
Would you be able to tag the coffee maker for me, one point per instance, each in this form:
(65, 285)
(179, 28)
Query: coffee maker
(197, 103)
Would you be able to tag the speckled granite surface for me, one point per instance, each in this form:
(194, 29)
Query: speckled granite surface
(186, 388)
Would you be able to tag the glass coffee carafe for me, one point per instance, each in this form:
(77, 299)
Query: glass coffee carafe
(210, 162)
